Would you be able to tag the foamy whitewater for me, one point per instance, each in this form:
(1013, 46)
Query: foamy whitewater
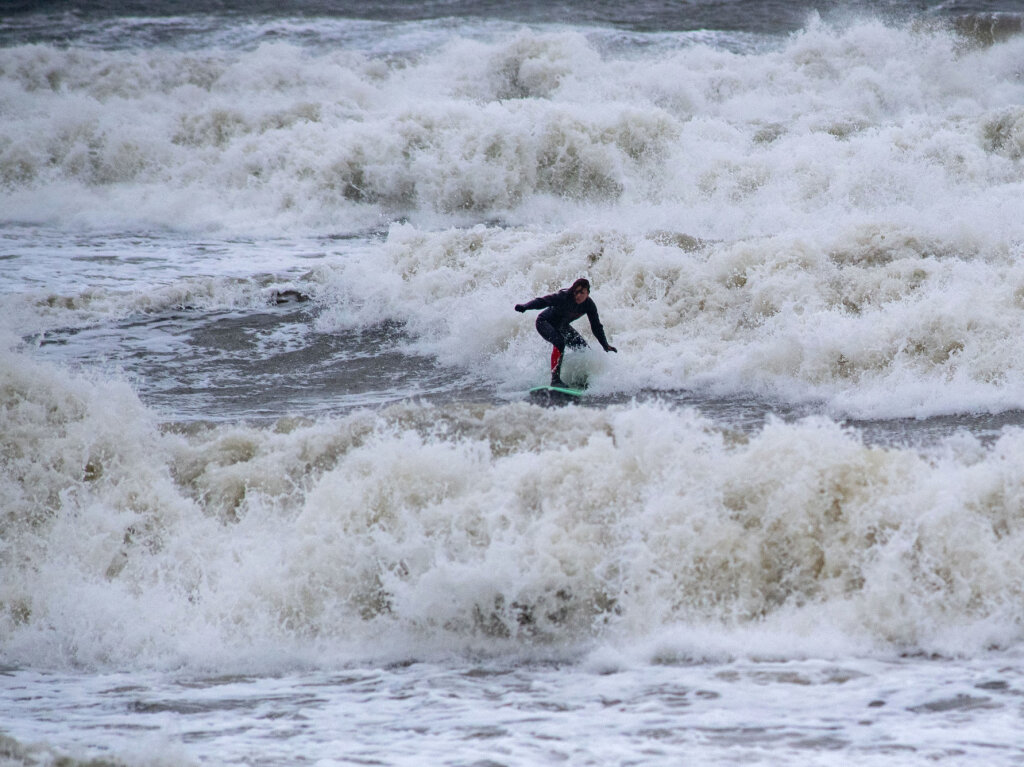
(272, 489)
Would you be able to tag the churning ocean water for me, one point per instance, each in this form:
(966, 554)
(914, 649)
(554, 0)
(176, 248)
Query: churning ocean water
(271, 487)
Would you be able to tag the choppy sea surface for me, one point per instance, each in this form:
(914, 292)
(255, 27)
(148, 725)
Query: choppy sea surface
(271, 487)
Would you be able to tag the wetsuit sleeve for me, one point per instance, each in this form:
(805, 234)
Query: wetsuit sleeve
(595, 324)
(541, 302)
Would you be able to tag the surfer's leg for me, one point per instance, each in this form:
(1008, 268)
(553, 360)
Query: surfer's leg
(553, 336)
(556, 358)
(556, 367)
(550, 333)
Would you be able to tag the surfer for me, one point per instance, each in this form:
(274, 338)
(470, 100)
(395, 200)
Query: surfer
(560, 309)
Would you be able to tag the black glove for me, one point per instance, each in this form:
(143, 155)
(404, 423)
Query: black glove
(520, 308)
(611, 349)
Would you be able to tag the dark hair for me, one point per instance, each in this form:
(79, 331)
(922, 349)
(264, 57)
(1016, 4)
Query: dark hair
(582, 282)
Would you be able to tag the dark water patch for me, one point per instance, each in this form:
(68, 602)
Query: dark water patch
(215, 681)
(97, 259)
(921, 432)
(259, 364)
(671, 696)
(822, 743)
(745, 736)
(553, 707)
(124, 689)
(484, 733)
(274, 363)
(997, 685)
(346, 680)
(197, 736)
(956, 703)
(661, 733)
(193, 706)
(188, 707)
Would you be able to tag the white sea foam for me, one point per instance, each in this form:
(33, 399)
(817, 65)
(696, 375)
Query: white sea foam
(829, 127)
(495, 529)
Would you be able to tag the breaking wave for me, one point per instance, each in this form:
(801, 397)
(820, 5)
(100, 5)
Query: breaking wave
(474, 528)
(809, 132)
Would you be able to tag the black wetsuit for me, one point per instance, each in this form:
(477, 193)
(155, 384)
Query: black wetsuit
(559, 310)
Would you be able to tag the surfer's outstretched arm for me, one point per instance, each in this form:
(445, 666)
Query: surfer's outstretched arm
(537, 303)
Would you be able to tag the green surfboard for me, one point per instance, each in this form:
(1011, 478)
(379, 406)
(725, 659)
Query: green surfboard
(563, 391)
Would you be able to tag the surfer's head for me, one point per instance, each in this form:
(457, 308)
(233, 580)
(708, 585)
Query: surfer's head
(581, 290)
